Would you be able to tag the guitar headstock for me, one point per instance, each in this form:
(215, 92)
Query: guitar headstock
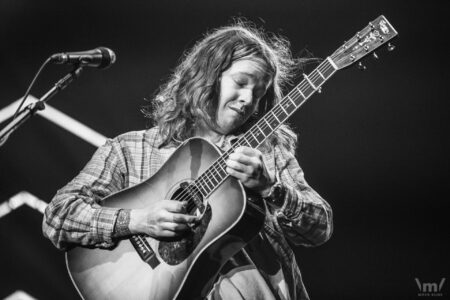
(373, 36)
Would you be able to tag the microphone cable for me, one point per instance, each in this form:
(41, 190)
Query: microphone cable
(30, 86)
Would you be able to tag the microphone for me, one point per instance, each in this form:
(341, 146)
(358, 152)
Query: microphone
(100, 57)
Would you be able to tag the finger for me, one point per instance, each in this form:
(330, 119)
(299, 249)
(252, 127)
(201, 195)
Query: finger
(183, 218)
(168, 233)
(243, 177)
(176, 227)
(175, 206)
(241, 158)
(247, 151)
(237, 166)
(249, 160)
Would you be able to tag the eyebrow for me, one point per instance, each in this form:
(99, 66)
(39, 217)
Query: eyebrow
(245, 73)
(253, 76)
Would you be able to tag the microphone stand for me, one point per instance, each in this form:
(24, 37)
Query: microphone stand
(32, 108)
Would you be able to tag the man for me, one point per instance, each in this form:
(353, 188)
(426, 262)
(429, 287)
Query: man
(224, 84)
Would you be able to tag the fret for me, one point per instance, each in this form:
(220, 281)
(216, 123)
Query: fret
(222, 172)
(321, 75)
(280, 113)
(201, 189)
(243, 141)
(287, 114)
(332, 63)
(308, 89)
(292, 101)
(288, 104)
(260, 130)
(246, 140)
(206, 187)
(310, 82)
(258, 134)
(316, 78)
(251, 132)
(267, 130)
(201, 185)
(327, 68)
(213, 175)
(254, 141)
(213, 178)
(300, 91)
(274, 122)
(273, 114)
(207, 181)
(268, 124)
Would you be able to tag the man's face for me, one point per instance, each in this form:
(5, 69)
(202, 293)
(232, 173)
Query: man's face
(241, 88)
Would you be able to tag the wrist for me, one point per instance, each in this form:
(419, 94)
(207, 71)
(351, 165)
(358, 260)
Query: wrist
(266, 191)
(275, 196)
(137, 221)
(122, 224)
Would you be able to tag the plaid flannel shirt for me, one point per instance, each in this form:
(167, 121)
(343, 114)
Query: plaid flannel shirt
(76, 214)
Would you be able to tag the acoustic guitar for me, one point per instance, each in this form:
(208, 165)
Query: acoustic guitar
(145, 268)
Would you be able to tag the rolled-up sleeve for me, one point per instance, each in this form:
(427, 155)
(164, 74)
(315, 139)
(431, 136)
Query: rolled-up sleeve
(304, 217)
(75, 214)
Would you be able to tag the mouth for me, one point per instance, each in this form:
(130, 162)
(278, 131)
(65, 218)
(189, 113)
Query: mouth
(239, 111)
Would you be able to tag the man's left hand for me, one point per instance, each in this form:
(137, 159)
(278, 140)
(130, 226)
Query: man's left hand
(247, 165)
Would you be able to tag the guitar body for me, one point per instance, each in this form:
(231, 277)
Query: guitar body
(120, 273)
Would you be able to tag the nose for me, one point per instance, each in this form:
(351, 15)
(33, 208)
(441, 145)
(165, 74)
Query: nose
(246, 96)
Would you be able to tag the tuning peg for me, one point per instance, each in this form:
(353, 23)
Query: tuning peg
(361, 66)
(374, 55)
(390, 47)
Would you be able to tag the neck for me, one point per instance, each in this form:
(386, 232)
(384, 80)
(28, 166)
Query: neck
(210, 135)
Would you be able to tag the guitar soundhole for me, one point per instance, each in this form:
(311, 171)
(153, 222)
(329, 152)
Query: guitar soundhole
(174, 252)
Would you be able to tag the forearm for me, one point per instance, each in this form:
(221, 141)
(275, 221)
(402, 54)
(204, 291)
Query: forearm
(74, 220)
(75, 216)
(305, 217)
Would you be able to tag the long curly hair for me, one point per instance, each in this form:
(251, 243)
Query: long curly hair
(190, 96)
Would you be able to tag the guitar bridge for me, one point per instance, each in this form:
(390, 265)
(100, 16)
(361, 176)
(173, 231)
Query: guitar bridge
(144, 250)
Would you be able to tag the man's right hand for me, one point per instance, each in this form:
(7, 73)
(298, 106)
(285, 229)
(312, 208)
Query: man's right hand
(163, 219)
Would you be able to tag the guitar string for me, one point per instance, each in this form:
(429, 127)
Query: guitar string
(313, 76)
(193, 188)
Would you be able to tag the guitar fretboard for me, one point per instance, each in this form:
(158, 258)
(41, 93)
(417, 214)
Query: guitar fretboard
(258, 133)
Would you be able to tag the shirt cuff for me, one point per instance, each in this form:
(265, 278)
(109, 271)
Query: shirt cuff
(103, 225)
(277, 195)
(122, 224)
(292, 204)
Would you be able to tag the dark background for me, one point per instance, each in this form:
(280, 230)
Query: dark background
(374, 144)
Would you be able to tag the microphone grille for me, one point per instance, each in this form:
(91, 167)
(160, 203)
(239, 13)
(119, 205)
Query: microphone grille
(108, 57)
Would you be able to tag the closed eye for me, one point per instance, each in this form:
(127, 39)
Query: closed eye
(240, 81)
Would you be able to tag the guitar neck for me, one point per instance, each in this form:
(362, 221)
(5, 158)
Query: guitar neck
(258, 133)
